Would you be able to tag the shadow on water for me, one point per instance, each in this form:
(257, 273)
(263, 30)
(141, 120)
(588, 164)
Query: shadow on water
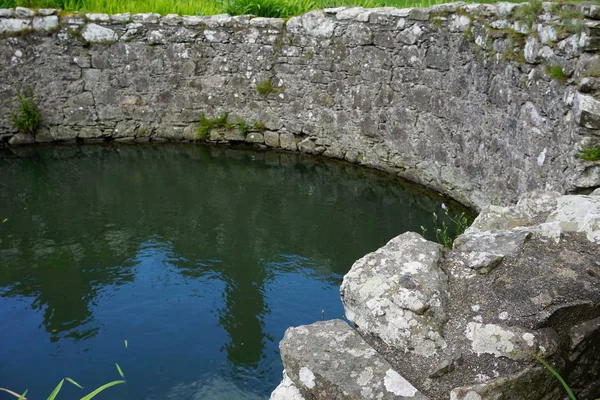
(200, 256)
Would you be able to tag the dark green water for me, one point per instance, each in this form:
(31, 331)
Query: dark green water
(199, 257)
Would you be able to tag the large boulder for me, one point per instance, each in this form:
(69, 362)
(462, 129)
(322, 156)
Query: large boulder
(471, 323)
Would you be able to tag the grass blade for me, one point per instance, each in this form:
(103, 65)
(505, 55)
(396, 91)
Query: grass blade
(100, 389)
(125, 343)
(74, 383)
(22, 396)
(56, 390)
(557, 376)
(120, 371)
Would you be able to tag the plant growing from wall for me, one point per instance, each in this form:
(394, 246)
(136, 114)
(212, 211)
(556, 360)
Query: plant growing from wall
(222, 122)
(590, 154)
(25, 117)
(528, 13)
(556, 72)
(266, 87)
(443, 233)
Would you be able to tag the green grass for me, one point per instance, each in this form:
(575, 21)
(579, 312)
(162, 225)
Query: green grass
(265, 8)
(266, 87)
(590, 154)
(556, 72)
(25, 116)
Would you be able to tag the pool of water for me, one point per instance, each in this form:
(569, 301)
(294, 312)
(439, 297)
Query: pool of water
(199, 257)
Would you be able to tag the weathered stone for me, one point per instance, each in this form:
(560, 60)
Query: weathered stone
(578, 214)
(93, 33)
(286, 390)
(21, 139)
(121, 18)
(271, 139)
(495, 218)
(386, 293)
(22, 12)
(146, 18)
(46, 24)
(7, 12)
(346, 366)
(410, 35)
(312, 24)
(95, 17)
(14, 25)
(587, 111)
(47, 11)
(288, 141)
(255, 137)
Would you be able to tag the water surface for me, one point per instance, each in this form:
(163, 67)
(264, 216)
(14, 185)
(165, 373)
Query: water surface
(199, 257)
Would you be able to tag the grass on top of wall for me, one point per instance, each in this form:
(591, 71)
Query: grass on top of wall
(261, 8)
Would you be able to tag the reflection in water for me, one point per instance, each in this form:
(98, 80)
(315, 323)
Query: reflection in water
(200, 257)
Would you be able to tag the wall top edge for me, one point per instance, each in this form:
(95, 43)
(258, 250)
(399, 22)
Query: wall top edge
(500, 9)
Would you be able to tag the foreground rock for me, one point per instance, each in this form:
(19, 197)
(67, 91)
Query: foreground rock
(522, 282)
(329, 360)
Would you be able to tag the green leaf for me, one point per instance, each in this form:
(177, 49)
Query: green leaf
(100, 389)
(21, 397)
(74, 383)
(56, 390)
(120, 371)
(557, 376)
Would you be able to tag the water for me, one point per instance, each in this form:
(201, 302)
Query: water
(199, 257)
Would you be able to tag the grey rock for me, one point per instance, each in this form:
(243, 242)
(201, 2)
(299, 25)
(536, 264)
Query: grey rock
(47, 11)
(271, 139)
(15, 25)
(7, 12)
(94, 33)
(397, 293)
(578, 214)
(147, 18)
(255, 137)
(95, 17)
(587, 111)
(346, 366)
(286, 390)
(45, 24)
(21, 139)
(121, 18)
(288, 141)
(22, 12)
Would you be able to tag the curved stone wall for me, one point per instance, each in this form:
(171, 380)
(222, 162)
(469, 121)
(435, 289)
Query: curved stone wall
(482, 102)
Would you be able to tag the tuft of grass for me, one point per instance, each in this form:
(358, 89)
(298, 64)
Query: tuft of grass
(206, 124)
(266, 87)
(590, 154)
(556, 72)
(26, 117)
(528, 13)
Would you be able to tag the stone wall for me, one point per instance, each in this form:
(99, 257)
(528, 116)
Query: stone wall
(482, 102)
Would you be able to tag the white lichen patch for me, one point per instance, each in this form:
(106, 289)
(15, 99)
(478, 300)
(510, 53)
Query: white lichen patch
(490, 339)
(396, 384)
(307, 378)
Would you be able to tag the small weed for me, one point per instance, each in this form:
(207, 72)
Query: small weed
(556, 72)
(206, 125)
(309, 55)
(590, 154)
(266, 87)
(528, 13)
(26, 117)
(259, 126)
(442, 234)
